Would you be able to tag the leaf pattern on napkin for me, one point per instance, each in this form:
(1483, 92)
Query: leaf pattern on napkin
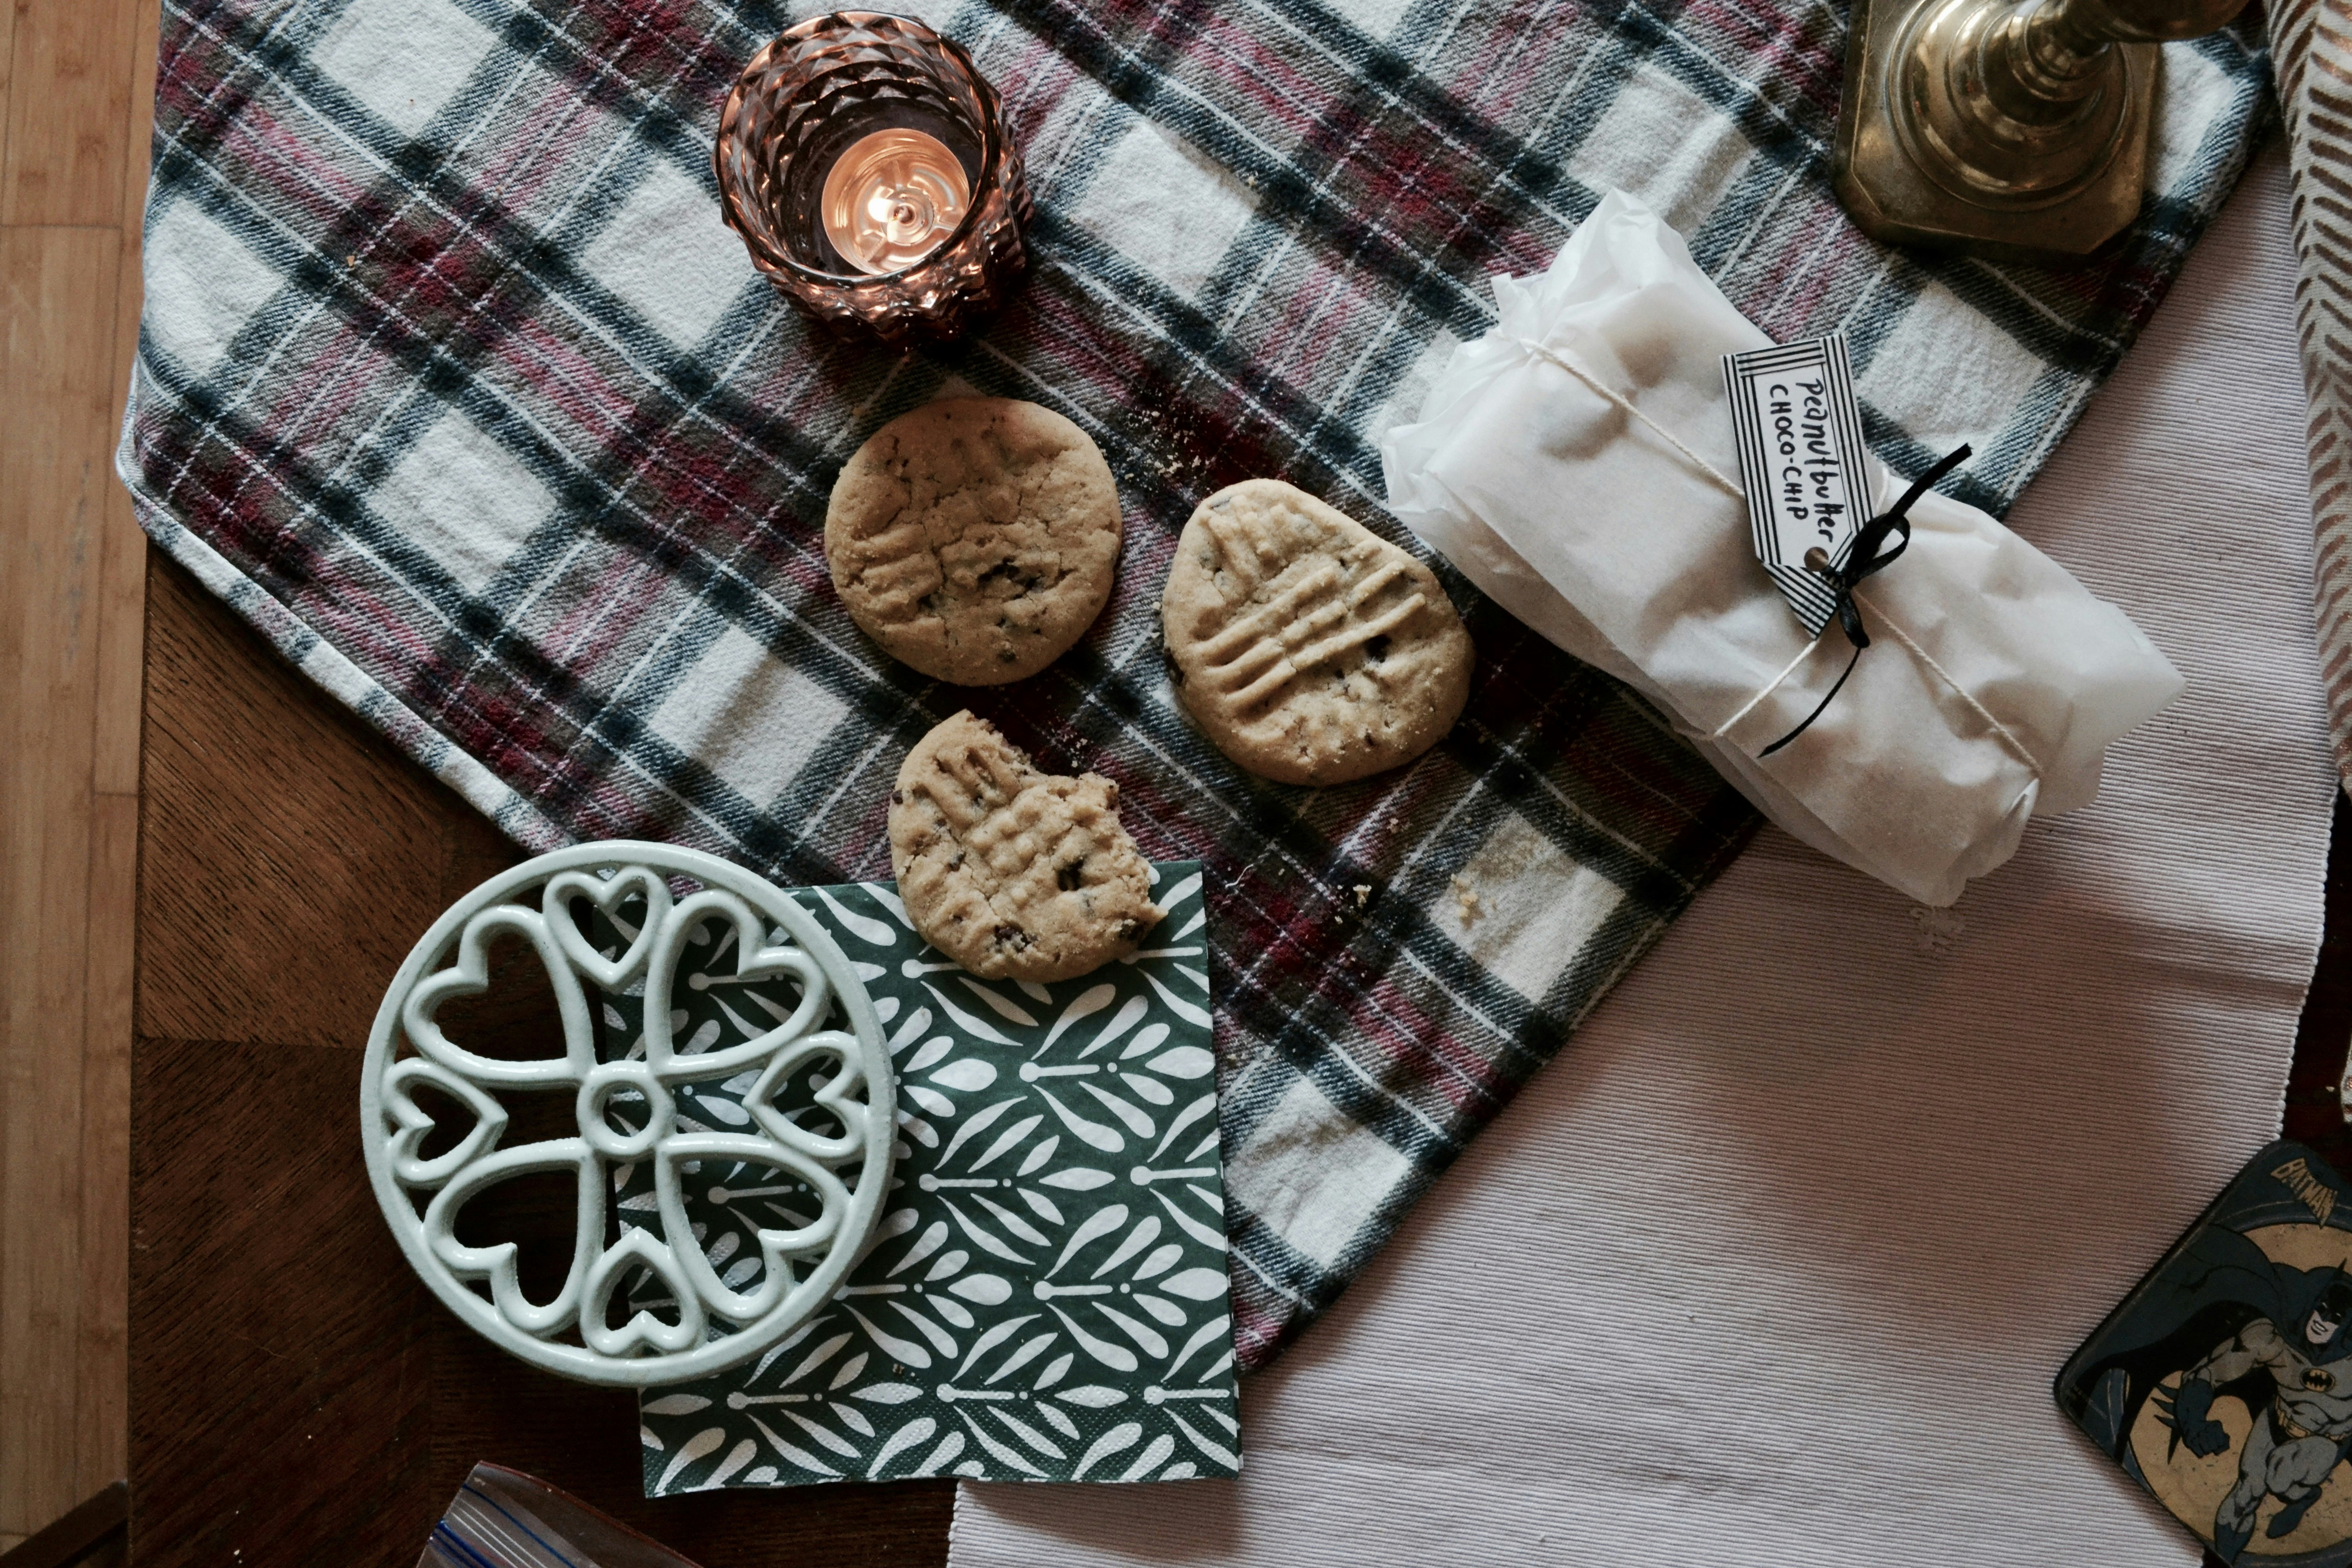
(1044, 1297)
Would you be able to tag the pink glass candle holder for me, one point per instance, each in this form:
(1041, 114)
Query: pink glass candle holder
(865, 161)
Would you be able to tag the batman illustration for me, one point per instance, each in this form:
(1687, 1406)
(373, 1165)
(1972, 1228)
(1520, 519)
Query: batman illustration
(2232, 1324)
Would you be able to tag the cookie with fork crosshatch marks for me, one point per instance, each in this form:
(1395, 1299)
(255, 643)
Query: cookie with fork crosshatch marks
(974, 538)
(1015, 873)
(1308, 649)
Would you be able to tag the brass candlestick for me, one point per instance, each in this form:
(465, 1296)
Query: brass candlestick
(2012, 129)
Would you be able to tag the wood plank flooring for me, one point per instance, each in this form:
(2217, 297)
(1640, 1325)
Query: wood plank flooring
(76, 85)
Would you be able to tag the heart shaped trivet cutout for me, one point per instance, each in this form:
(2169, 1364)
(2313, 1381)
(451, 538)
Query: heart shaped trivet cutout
(837, 1098)
(608, 894)
(470, 976)
(754, 960)
(777, 1248)
(712, 1325)
(417, 1124)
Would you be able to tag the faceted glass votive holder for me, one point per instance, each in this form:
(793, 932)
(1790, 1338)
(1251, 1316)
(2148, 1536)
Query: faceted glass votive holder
(827, 86)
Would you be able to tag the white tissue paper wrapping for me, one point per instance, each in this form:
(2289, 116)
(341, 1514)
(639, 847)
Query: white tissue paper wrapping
(1993, 684)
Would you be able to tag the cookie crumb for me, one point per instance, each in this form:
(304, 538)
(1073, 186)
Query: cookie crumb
(1465, 899)
(1939, 932)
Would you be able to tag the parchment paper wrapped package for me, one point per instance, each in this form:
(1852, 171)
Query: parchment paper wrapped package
(1578, 463)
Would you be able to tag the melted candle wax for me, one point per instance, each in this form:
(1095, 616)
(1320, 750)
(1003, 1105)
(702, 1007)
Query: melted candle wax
(893, 198)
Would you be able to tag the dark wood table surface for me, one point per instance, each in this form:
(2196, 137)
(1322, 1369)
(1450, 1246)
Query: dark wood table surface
(296, 1396)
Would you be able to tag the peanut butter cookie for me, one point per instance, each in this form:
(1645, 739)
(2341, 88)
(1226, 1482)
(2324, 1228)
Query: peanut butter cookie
(1308, 649)
(974, 538)
(1013, 873)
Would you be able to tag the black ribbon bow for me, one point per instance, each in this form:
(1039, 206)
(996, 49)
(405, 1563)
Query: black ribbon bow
(1868, 557)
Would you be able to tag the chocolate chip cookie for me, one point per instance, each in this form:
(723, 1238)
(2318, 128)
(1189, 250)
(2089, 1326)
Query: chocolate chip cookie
(1308, 649)
(974, 538)
(1013, 873)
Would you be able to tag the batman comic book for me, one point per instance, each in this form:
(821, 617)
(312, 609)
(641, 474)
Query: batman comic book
(2223, 1383)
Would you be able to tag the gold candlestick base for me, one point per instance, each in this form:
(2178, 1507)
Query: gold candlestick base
(2011, 129)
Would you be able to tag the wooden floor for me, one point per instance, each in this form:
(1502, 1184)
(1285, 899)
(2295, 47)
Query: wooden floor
(76, 85)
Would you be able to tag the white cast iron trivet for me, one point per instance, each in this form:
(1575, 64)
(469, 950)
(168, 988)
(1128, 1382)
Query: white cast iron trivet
(712, 1326)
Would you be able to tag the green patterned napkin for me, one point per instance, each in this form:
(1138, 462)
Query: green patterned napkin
(1044, 1297)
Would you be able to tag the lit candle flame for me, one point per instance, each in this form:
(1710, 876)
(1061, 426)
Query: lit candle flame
(893, 198)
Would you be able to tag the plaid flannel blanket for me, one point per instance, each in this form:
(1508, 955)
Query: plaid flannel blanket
(451, 380)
